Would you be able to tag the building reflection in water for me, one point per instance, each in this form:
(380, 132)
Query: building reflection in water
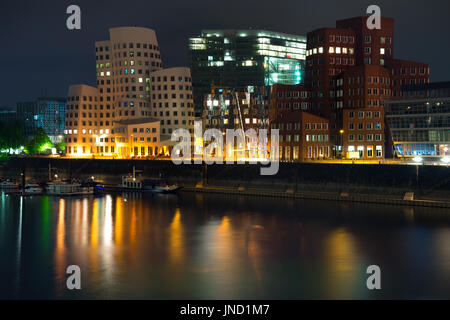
(60, 248)
(341, 258)
(176, 239)
(202, 246)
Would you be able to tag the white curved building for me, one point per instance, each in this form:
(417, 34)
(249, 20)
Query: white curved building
(82, 122)
(172, 100)
(123, 66)
(133, 91)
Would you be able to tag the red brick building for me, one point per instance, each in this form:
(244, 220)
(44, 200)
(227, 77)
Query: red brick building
(353, 68)
(302, 135)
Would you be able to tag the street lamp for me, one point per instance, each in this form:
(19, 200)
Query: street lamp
(342, 141)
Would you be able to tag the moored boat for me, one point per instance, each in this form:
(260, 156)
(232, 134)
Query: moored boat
(9, 185)
(69, 188)
(132, 183)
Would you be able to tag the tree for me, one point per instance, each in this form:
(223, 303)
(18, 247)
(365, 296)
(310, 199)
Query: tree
(40, 142)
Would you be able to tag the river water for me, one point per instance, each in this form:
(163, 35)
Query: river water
(207, 246)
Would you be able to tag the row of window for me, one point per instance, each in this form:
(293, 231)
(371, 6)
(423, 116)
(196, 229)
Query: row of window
(293, 94)
(172, 96)
(368, 151)
(331, 50)
(296, 126)
(369, 126)
(412, 71)
(141, 130)
(174, 113)
(130, 54)
(172, 78)
(174, 104)
(332, 38)
(317, 138)
(172, 87)
(369, 137)
(84, 150)
(295, 105)
(364, 114)
(88, 123)
(86, 131)
(131, 45)
(89, 115)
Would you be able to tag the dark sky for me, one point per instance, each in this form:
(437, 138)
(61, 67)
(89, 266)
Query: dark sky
(39, 56)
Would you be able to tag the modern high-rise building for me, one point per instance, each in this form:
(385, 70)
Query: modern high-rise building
(128, 99)
(8, 114)
(241, 58)
(351, 70)
(419, 120)
(45, 112)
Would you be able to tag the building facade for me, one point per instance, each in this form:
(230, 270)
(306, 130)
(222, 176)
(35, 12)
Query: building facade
(137, 138)
(303, 136)
(47, 113)
(172, 100)
(125, 95)
(419, 121)
(234, 109)
(241, 58)
(83, 134)
(8, 114)
(353, 68)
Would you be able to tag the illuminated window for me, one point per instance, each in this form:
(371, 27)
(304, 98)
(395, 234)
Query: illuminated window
(338, 50)
(379, 151)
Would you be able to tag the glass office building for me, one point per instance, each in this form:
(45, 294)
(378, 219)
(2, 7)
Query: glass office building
(47, 113)
(241, 58)
(419, 123)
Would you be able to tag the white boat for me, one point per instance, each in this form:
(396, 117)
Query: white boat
(66, 188)
(32, 189)
(132, 183)
(9, 185)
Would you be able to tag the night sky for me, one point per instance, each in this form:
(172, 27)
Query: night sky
(40, 57)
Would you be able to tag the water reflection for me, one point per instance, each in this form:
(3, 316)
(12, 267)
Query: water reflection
(176, 239)
(342, 261)
(219, 247)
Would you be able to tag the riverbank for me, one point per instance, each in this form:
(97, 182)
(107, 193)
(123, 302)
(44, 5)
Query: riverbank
(390, 184)
(327, 196)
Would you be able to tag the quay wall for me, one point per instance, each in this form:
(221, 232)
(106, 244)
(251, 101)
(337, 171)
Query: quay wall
(427, 182)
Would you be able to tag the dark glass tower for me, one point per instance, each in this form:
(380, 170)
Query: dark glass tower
(241, 58)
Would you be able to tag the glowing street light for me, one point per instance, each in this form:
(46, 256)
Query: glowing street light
(418, 159)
